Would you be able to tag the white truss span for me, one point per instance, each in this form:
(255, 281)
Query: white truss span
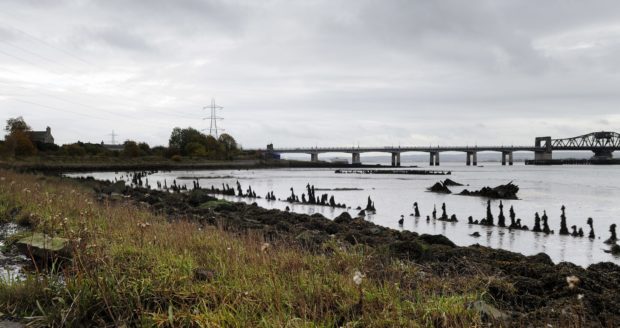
(595, 140)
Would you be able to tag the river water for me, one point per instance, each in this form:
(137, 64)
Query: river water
(586, 191)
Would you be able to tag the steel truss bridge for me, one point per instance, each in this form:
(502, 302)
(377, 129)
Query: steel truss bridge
(602, 144)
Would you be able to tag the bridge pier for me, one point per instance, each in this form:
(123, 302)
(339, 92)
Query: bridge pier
(547, 153)
(434, 159)
(356, 158)
(314, 157)
(395, 159)
(472, 157)
(506, 156)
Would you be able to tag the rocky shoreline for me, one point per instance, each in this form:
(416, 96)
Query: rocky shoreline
(527, 290)
(57, 168)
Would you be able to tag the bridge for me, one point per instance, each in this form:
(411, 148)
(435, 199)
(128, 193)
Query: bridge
(602, 144)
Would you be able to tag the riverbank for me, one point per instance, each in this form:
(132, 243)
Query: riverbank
(53, 167)
(302, 275)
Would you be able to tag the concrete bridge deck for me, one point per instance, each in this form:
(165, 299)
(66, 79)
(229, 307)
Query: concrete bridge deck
(603, 144)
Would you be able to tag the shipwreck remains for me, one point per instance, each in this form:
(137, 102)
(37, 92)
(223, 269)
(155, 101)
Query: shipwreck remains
(507, 191)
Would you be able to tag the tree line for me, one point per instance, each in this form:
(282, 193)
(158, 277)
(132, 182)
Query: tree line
(184, 142)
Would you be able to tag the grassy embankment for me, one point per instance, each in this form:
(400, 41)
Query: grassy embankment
(132, 266)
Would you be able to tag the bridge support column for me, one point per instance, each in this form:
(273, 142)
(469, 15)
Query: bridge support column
(314, 157)
(544, 145)
(356, 159)
(395, 159)
(434, 160)
(507, 157)
(471, 158)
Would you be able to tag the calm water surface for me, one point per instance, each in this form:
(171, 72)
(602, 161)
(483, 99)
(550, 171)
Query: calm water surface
(586, 191)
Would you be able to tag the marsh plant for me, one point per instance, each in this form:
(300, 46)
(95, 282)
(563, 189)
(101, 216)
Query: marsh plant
(132, 267)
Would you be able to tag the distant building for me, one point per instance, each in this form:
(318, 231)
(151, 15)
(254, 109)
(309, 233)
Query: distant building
(44, 137)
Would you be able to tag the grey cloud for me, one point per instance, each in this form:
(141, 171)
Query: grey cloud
(301, 73)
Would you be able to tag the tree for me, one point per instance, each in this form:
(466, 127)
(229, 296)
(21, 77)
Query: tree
(145, 149)
(214, 150)
(131, 149)
(195, 149)
(228, 144)
(17, 142)
(180, 138)
(16, 124)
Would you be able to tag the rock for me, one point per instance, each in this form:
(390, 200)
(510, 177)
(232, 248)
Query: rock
(507, 191)
(489, 311)
(449, 182)
(345, 217)
(11, 324)
(475, 234)
(198, 196)
(541, 258)
(439, 188)
(437, 240)
(43, 246)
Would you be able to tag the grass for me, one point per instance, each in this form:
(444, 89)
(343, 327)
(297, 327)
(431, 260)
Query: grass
(132, 267)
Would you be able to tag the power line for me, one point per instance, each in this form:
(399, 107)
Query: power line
(34, 54)
(49, 44)
(69, 77)
(213, 128)
(161, 125)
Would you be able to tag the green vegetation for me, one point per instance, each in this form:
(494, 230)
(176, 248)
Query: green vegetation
(135, 268)
(187, 142)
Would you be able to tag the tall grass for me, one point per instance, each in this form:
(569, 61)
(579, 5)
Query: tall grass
(136, 268)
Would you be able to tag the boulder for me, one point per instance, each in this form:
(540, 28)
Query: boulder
(437, 240)
(449, 182)
(199, 196)
(42, 246)
(507, 191)
(439, 187)
(345, 217)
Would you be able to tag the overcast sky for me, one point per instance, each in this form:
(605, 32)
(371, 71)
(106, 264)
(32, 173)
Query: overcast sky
(315, 72)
